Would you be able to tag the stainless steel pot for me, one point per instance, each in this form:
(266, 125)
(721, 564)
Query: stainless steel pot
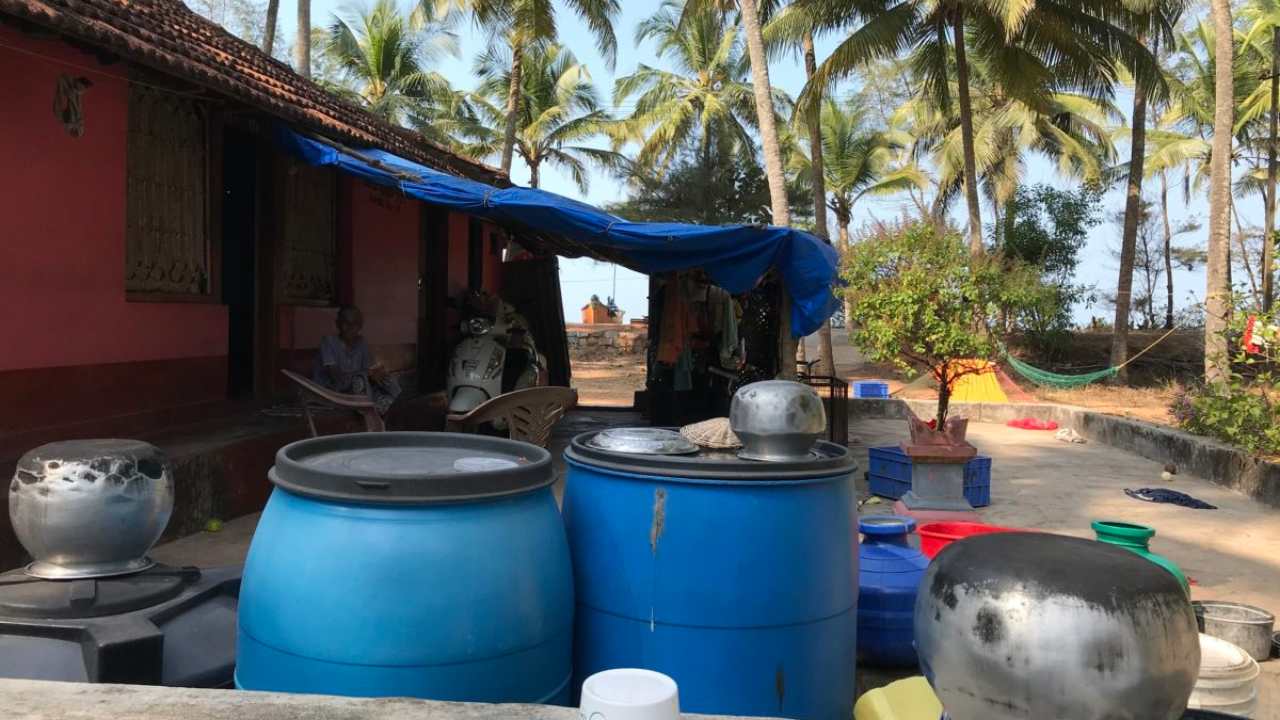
(777, 420)
(1034, 625)
(1245, 626)
(90, 508)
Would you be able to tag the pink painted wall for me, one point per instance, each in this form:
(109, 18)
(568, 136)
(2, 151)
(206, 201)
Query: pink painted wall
(62, 205)
(380, 233)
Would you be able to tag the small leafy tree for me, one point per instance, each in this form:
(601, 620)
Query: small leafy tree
(1046, 227)
(924, 304)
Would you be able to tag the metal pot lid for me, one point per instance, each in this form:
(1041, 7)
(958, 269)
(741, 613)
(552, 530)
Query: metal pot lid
(827, 460)
(411, 468)
(643, 441)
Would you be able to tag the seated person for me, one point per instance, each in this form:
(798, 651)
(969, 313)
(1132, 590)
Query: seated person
(345, 365)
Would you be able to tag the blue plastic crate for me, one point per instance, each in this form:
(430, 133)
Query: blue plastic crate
(889, 475)
(870, 389)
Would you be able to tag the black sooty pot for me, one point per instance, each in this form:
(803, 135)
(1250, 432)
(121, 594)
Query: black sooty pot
(1034, 625)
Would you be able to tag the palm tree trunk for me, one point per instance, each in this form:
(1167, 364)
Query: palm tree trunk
(1010, 221)
(269, 34)
(534, 165)
(842, 223)
(513, 105)
(1217, 294)
(763, 92)
(1129, 238)
(1269, 224)
(826, 353)
(302, 45)
(1168, 251)
(1238, 238)
(966, 137)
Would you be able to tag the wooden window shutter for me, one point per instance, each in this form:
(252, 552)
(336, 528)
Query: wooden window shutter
(167, 200)
(308, 265)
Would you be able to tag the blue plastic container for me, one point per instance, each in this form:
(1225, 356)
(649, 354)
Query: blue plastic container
(736, 578)
(870, 389)
(409, 564)
(889, 572)
(889, 475)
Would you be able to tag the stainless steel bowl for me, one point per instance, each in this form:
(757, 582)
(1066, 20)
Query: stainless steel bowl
(777, 420)
(90, 508)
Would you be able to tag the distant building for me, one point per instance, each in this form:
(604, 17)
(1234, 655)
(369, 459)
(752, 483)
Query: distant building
(598, 313)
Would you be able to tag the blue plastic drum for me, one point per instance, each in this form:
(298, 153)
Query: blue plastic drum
(736, 578)
(409, 564)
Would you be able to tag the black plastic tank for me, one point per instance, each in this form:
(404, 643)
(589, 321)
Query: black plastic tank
(163, 626)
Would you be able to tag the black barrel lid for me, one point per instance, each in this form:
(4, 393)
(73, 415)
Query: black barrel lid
(410, 468)
(827, 459)
(24, 596)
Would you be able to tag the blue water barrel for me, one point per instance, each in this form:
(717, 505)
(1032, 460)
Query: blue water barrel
(736, 578)
(409, 564)
(889, 571)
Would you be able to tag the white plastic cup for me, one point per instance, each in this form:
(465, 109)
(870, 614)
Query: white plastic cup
(629, 694)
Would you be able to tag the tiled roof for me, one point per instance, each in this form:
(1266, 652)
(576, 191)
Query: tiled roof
(167, 36)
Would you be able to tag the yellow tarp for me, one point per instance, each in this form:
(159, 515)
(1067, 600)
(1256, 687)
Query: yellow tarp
(981, 385)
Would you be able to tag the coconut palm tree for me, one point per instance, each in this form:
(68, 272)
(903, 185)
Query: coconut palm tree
(1217, 293)
(752, 14)
(792, 30)
(1157, 25)
(860, 161)
(382, 61)
(559, 108)
(703, 99)
(523, 25)
(1264, 30)
(1029, 49)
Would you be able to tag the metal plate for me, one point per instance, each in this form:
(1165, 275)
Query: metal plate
(643, 441)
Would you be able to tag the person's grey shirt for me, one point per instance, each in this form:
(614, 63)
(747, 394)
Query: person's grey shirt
(349, 360)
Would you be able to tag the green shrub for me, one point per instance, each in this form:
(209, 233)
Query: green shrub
(1241, 409)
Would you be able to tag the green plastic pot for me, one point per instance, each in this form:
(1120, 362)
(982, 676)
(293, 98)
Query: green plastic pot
(1137, 539)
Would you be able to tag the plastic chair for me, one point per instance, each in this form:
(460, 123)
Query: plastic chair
(528, 414)
(309, 392)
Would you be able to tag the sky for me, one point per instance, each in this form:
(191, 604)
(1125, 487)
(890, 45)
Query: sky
(581, 278)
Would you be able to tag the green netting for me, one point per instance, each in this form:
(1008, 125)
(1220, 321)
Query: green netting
(1044, 377)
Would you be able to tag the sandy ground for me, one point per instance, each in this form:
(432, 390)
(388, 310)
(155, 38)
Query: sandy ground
(1232, 553)
(613, 382)
(1145, 403)
(609, 383)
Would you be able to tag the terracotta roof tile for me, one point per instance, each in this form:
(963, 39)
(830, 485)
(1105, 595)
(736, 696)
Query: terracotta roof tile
(167, 36)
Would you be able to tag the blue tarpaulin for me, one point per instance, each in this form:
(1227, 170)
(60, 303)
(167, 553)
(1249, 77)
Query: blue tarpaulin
(735, 256)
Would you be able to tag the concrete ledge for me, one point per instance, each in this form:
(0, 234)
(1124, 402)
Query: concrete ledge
(1194, 455)
(38, 700)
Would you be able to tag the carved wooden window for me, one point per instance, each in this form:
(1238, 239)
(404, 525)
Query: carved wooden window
(167, 204)
(308, 265)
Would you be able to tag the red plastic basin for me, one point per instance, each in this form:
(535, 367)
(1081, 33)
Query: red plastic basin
(935, 536)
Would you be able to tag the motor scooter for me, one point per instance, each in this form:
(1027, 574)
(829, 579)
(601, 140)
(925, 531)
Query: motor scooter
(497, 355)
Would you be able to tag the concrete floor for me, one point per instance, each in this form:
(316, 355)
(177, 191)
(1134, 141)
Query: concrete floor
(1232, 553)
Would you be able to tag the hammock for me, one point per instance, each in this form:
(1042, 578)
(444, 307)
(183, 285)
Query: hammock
(1051, 379)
